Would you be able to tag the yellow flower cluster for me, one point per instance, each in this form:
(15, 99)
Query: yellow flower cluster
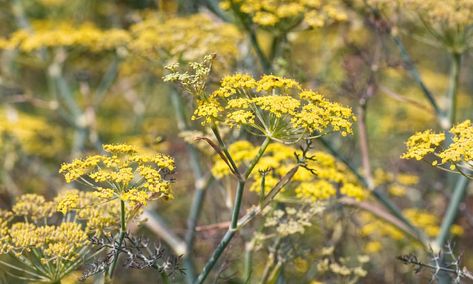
(35, 135)
(291, 220)
(273, 106)
(183, 38)
(33, 206)
(448, 21)
(343, 267)
(396, 185)
(376, 229)
(31, 233)
(123, 173)
(452, 14)
(458, 154)
(153, 38)
(323, 181)
(99, 217)
(48, 35)
(422, 143)
(428, 222)
(67, 202)
(288, 13)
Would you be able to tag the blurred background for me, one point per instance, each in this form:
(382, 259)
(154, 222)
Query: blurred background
(77, 74)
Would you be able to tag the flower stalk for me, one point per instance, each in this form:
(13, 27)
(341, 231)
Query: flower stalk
(121, 237)
(236, 207)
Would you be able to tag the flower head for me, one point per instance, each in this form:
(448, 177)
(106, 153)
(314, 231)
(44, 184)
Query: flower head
(123, 173)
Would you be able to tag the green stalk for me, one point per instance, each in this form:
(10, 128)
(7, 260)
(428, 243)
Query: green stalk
(215, 256)
(200, 188)
(414, 73)
(225, 150)
(121, 237)
(462, 182)
(452, 210)
(248, 262)
(453, 87)
(461, 185)
(261, 151)
(165, 277)
(248, 26)
(212, 5)
(235, 213)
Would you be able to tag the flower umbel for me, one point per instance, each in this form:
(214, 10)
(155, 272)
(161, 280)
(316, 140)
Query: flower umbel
(273, 106)
(458, 155)
(123, 173)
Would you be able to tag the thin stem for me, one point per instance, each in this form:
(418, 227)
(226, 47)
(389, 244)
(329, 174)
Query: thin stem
(248, 264)
(215, 255)
(201, 185)
(248, 26)
(414, 73)
(271, 261)
(363, 137)
(452, 211)
(453, 87)
(165, 277)
(225, 151)
(261, 151)
(121, 237)
(236, 209)
(212, 5)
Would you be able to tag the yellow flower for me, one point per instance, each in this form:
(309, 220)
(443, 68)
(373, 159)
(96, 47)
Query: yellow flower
(67, 201)
(421, 144)
(279, 159)
(458, 154)
(273, 14)
(184, 38)
(33, 206)
(373, 247)
(123, 172)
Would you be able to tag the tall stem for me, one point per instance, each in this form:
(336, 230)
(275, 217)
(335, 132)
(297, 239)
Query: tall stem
(248, 26)
(453, 87)
(461, 184)
(412, 70)
(235, 213)
(452, 211)
(121, 237)
(363, 137)
(200, 187)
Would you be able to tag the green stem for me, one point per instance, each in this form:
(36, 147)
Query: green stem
(452, 210)
(461, 184)
(414, 73)
(200, 188)
(165, 277)
(225, 150)
(248, 26)
(453, 87)
(121, 237)
(248, 264)
(235, 213)
(215, 255)
(271, 261)
(261, 151)
(212, 5)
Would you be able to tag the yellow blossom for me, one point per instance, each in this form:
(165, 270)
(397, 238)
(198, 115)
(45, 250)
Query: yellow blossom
(274, 14)
(124, 173)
